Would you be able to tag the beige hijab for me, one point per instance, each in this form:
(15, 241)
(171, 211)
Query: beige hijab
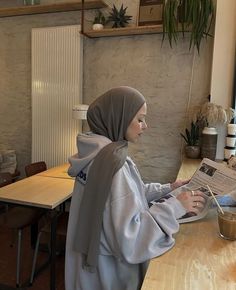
(109, 115)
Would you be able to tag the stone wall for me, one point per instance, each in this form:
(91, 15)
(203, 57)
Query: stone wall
(172, 81)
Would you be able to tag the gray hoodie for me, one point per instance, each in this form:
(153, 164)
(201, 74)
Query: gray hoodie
(132, 232)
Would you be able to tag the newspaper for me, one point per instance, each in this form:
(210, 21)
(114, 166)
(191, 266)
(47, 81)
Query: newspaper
(220, 179)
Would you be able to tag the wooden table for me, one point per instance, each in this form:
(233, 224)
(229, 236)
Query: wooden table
(39, 191)
(200, 259)
(188, 167)
(43, 192)
(56, 172)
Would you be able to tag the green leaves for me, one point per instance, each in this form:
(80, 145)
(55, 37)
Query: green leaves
(119, 17)
(194, 16)
(191, 136)
(170, 21)
(99, 18)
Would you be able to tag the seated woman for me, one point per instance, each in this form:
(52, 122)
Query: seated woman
(112, 232)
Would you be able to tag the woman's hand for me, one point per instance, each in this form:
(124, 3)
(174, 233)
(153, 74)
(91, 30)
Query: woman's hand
(192, 201)
(178, 183)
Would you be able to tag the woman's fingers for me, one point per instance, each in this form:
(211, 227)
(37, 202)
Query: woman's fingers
(192, 201)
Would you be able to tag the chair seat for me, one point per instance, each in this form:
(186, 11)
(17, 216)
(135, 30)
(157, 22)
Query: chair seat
(20, 217)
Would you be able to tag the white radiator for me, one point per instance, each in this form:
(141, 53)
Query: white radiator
(56, 88)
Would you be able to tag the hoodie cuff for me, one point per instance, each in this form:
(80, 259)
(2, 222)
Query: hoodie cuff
(166, 188)
(177, 206)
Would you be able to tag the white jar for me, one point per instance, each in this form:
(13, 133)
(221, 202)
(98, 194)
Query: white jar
(230, 141)
(231, 129)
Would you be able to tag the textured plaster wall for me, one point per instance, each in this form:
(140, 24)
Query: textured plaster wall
(168, 78)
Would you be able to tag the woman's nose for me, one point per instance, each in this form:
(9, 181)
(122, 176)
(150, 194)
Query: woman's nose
(144, 125)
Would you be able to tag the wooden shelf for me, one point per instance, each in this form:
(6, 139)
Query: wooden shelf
(126, 31)
(50, 8)
(135, 30)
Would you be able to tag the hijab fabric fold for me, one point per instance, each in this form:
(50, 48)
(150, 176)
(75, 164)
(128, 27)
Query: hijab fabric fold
(109, 116)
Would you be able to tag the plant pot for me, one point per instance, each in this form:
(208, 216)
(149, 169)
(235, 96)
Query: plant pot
(209, 143)
(98, 26)
(192, 152)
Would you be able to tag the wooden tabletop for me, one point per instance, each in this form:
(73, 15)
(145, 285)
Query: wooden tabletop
(39, 191)
(200, 259)
(56, 172)
(188, 167)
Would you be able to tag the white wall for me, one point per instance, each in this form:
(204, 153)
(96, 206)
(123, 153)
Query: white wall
(223, 61)
(224, 53)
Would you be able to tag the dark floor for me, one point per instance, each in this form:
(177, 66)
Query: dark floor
(8, 263)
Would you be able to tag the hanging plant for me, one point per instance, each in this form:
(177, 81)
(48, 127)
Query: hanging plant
(194, 16)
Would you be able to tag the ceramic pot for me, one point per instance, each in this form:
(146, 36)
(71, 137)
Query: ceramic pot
(192, 152)
(98, 26)
(209, 143)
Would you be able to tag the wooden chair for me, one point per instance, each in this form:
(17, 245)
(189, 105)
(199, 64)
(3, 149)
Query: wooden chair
(5, 179)
(34, 168)
(62, 221)
(19, 218)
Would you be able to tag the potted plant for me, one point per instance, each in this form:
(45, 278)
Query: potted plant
(191, 137)
(194, 16)
(212, 115)
(99, 21)
(119, 17)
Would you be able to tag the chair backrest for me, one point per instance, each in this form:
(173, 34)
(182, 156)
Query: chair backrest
(5, 179)
(34, 168)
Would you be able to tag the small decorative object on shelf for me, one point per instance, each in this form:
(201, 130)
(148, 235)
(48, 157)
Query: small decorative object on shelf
(150, 12)
(31, 2)
(119, 17)
(191, 137)
(99, 21)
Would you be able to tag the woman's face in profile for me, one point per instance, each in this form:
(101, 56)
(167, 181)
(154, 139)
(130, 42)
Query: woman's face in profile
(137, 125)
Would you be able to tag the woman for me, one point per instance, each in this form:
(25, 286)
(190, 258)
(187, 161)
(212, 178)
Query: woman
(112, 231)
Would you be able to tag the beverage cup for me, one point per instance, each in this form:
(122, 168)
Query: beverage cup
(227, 223)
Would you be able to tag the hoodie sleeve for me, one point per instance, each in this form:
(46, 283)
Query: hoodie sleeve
(152, 190)
(135, 232)
(156, 190)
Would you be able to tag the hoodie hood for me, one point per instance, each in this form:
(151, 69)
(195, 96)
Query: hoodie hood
(88, 146)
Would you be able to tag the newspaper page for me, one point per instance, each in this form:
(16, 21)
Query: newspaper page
(220, 179)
